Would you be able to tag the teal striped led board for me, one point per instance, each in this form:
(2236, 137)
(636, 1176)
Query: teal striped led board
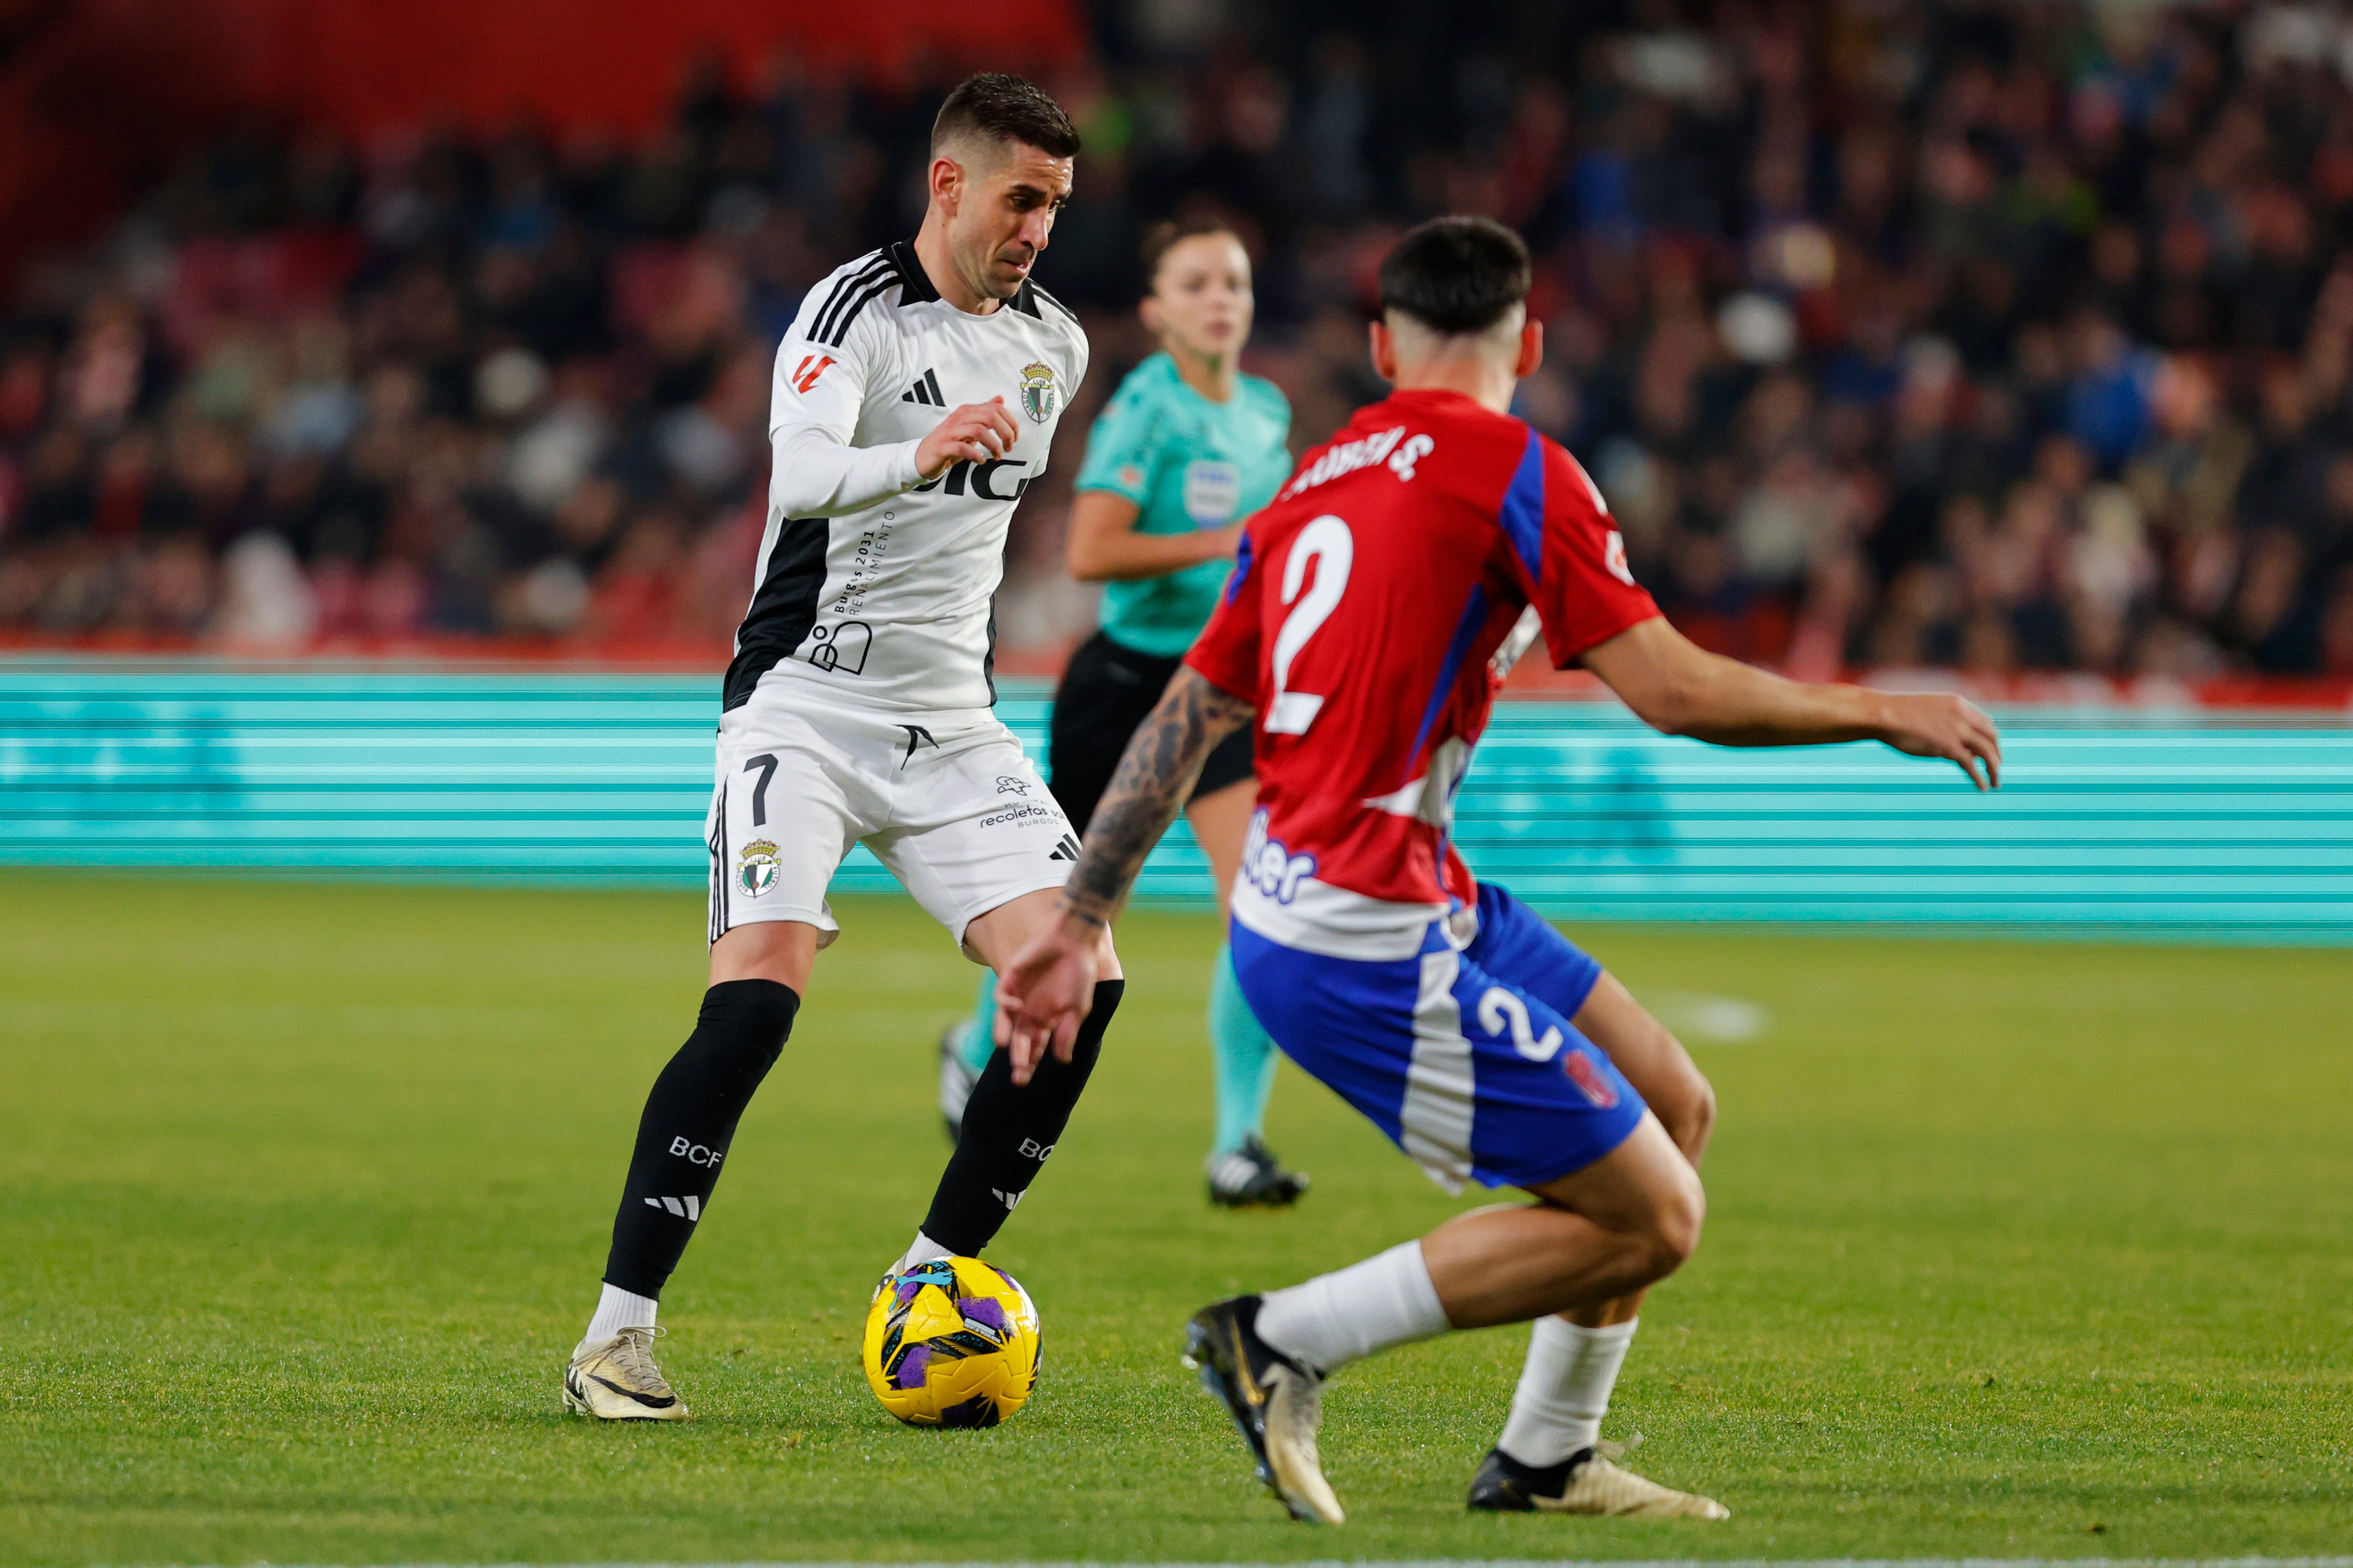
(2239, 833)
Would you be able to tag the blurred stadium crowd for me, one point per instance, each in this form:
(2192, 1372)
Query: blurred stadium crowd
(2006, 336)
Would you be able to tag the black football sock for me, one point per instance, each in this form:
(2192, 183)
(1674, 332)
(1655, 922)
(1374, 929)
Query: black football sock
(689, 1120)
(1008, 1131)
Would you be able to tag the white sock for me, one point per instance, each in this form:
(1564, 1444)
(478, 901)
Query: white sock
(1334, 1319)
(616, 1310)
(1564, 1390)
(924, 1250)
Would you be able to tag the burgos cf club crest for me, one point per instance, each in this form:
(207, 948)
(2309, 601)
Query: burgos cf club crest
(755, 868)
(1037, 392)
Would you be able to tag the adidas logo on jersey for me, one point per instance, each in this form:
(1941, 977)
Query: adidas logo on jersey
(1068, 849)
(926, 391)
(686, 1207)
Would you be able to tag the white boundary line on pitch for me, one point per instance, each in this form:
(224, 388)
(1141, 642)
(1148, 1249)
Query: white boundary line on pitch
(1538, 1562)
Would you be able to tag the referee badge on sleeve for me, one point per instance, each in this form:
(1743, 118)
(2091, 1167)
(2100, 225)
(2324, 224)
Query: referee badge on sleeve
(1037, 392)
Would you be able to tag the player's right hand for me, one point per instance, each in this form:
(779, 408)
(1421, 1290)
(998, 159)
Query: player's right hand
(976, 432)
(1045, 994)
(1953, 728)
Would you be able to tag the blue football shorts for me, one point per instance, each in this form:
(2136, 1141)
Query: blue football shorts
(1467, 1060)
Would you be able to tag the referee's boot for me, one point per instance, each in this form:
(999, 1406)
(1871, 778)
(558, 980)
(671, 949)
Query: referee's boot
(1251, 1178)
(1586, 1483)
(617, 1380)
(1276, 1403)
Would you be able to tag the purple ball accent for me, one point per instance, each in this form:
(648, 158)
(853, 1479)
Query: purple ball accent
(980, 1410)
(982, 1310)
(905, 1294)
(912, 1368)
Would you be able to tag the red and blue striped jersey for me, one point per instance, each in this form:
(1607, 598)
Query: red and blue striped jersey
(1367, 599)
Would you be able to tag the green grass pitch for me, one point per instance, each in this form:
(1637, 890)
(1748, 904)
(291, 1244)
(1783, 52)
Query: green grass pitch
(2015, 1249)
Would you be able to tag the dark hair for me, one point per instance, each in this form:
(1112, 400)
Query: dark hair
(1456, 274)
(1163, 237)
(1006, 107)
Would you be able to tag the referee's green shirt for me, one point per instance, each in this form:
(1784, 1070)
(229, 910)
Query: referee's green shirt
(1187, 463)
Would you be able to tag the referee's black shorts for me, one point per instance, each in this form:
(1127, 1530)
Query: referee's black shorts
(1106, 690)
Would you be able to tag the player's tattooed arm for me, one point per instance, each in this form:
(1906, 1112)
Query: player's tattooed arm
(1159, 765)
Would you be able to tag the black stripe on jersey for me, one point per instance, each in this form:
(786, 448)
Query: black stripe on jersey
(842, 290)
(932, 381)
(1025, 299)
(861, 272)
(1041, 294)
(783, 610)
(989, 660)
(874, 290)
(918, 283)
(718, 842)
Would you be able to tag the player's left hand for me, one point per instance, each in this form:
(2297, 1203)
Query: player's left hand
(1953, 728)
(1045, 994)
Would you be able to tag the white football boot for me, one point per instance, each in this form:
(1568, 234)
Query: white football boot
(617, 1380)
(1586, 1483)
(1276, 1404)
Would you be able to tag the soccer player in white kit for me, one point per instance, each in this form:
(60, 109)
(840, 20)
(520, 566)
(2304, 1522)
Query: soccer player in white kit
(916, 395)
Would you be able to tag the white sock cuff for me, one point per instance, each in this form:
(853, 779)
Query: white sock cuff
(1334, 1319)
(1564, 1390)
(1573, 1334)
(923, 1250)
(616, 1310)
(1418, 1291)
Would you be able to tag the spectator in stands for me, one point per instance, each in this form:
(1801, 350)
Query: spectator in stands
(2002, 337)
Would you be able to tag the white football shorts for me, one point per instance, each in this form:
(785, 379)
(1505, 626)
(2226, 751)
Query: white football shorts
(946, 800)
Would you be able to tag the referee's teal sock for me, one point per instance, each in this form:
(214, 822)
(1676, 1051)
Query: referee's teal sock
(981, 1038)
(1245, 1058)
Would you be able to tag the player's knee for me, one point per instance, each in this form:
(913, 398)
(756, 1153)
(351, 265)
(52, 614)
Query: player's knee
(1107, 958)
(1676, 1216)
(1681, 1095)
(1089, 1044)
(1695, 1119)
(740, 1031)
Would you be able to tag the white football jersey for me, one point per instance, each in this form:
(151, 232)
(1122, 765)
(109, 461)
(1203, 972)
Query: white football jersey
(888, 605)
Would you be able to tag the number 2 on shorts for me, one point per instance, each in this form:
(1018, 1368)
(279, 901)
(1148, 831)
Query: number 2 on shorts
(1327, 542)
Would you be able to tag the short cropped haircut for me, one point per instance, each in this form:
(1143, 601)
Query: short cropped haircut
(1456, 275)
(1163, 237)
(1001, 107)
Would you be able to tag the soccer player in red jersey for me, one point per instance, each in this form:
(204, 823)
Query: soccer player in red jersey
(1367, 602)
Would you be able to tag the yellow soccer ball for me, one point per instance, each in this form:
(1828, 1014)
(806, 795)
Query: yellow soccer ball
(952, 1343)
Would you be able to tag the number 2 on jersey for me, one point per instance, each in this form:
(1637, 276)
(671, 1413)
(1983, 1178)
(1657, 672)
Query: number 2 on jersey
(1327, 543)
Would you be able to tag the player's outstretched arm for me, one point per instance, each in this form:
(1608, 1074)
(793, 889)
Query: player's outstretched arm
(1047, 989)
(1678, 687)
